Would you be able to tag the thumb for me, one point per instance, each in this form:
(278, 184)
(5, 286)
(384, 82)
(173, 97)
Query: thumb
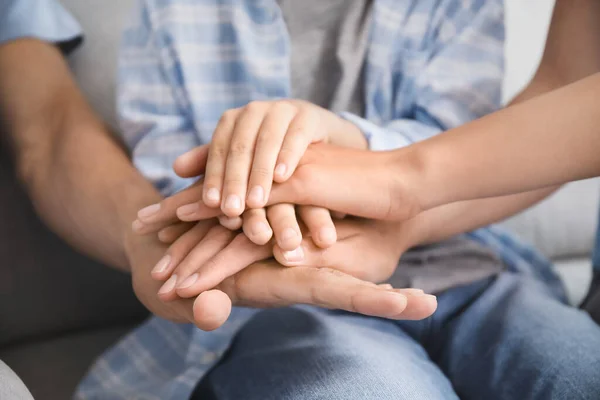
(211, 309)
(192, 163)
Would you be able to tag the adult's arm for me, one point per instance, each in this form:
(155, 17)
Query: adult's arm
(78, 177)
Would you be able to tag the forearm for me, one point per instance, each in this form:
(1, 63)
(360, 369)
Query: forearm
(546, 141)
(449, 220)
(80, 180)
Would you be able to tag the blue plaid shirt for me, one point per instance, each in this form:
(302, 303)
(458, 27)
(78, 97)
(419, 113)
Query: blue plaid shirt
(431, 65)
(41, 19)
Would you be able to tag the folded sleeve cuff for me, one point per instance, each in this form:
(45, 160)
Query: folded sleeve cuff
(378, 138)
(40, 19)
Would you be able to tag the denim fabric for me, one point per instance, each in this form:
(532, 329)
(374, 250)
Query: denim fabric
(507, 337)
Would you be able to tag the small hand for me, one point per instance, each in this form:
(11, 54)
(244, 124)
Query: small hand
(262, 142)
(283, 218)
(206, 254)
(366, 249)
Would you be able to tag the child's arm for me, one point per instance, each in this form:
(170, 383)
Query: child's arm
(547, 141)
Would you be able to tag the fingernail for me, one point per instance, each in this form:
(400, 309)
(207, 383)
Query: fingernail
(295, 255)
(233, 202)
(288, 233)
(189, 281)
(137, 226)
(328, 235)
(169, 285)
(386, 286)
(280, 170)
(213, 195)
(188, 209)
(257, 195)
(260, 228)
(149, 211)
(162, 265)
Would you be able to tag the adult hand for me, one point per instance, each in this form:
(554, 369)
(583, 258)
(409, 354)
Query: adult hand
(268, 284)
(369, 250)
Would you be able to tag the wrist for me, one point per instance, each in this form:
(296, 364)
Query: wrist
(416, 170)
(349, 135)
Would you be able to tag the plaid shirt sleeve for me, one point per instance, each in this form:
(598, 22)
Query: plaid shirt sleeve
(153, 108)
(460, 81)
(42, 19)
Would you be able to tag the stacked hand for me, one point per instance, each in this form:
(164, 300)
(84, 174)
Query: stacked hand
(218, 265)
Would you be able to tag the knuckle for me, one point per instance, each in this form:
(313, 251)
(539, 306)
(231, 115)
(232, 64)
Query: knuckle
(218, 150)
(285, 106)
(262, 172)
(211, 264)
(240, 148)
(297, 131)
(228, 117)
(255, 106)
(267, 140)
(234, 180)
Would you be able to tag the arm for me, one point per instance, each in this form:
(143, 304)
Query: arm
(80, 181)
(550, 140)
(572, 53)
(545, 141)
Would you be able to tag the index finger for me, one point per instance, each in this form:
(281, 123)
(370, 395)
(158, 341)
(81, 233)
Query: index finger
(165, 213)
(268, 284)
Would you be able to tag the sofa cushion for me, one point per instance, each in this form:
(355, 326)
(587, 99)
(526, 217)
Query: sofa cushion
(11, 386)
(46, 288)
(564, 225)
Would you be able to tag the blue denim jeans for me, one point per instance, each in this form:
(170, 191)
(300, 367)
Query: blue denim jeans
(591, 303)
(507, 337)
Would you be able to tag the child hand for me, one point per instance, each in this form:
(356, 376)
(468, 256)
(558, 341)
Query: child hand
(263, 142)
(260, 224)
(202, 257)
(204, 254)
